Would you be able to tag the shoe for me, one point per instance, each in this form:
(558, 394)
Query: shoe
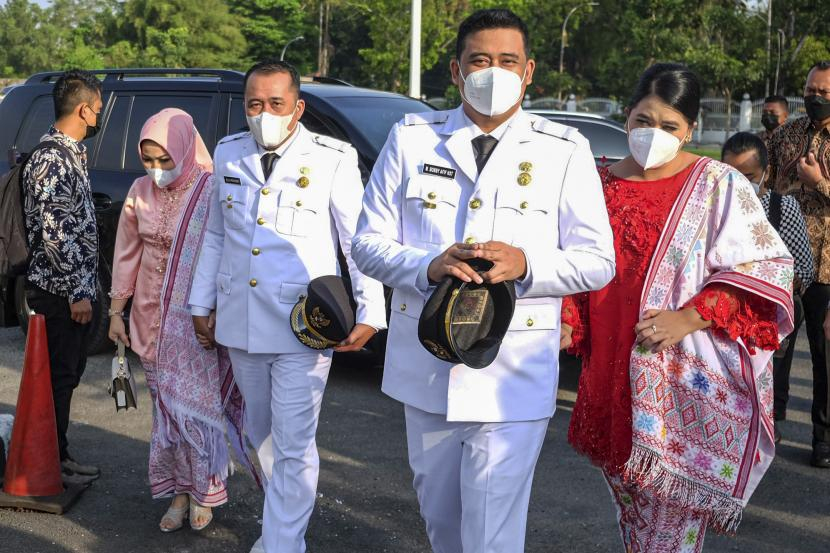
(821, 455)
(258, 547)
(86, 470)
(176, 516)
(196, 512)
(73, 478)
(776, 432)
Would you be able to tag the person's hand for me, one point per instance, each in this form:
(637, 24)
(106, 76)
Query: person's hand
(81, 311)
(204, 330)
(118, 331)
(809, 170)
(660, 330)
(509, 262)
(566, 336)
(356, 339)
(452, 262)
(827, 325)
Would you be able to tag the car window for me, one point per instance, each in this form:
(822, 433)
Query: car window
(605, 140)
(236, 116)
(374, 117)
(40, 116)
(199, 107)
(111, 152)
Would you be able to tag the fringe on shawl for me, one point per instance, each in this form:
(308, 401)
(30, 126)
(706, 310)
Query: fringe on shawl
(177, 427)
(645, 467)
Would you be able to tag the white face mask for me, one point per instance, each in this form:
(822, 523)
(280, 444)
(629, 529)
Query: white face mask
(270, 130)
(652, 147)
(492, 91)
(162, 177)
(757, 185)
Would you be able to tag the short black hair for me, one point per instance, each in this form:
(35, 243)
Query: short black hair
(269, 66)
(778, 99)
(675, 84)
(74, 87)
(820, 66)
(742, 142)
(490, 19)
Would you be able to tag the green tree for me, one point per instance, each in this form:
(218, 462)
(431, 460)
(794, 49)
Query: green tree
(182, 33)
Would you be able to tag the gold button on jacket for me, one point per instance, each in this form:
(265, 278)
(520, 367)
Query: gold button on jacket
(252, 282)
(260, 221)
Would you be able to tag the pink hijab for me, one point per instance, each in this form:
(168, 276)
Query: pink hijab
(173, 130)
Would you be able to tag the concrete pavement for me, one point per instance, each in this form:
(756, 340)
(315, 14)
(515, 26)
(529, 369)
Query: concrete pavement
(366, 503)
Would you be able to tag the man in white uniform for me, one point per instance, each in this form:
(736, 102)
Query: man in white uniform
(284, 198)
(485, 180)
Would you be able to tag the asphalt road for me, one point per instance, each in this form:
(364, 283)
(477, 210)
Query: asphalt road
(365, 501)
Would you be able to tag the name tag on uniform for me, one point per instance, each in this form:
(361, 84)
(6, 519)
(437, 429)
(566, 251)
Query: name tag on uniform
(233, 180)
(446, 172)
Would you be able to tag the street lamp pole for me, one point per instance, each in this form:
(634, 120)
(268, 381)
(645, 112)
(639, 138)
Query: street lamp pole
(415, 51)
(769, 40)
(564, 33)
(284, 48)
(781, 38)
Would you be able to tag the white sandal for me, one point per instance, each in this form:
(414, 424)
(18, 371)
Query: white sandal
(196, 511)
(176, 515)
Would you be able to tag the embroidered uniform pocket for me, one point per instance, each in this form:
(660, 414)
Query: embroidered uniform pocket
(291, 292)
(431, 209)
(234, 204)
(298, 213)
(520, 215)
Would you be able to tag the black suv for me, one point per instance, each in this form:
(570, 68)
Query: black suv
(214, 98)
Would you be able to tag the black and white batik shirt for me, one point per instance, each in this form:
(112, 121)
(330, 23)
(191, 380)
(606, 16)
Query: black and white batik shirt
(793, 232)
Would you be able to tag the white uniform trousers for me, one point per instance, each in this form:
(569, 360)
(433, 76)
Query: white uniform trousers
(283, 394)
(473, 480)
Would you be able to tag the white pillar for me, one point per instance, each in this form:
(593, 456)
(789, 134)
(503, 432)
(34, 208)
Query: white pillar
(415, 51)
(745, 121)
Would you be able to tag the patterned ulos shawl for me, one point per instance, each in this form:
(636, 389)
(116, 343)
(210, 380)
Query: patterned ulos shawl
(198, 400)
(702, 426)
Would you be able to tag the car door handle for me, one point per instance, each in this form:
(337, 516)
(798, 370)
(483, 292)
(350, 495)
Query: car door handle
(102, 202)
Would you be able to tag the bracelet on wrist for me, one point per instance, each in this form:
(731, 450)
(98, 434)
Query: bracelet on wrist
(112, 313)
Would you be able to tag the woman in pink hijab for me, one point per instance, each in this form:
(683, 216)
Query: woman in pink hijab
(159, 237)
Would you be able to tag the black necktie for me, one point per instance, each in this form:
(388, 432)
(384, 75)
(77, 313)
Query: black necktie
(268, 161)
(483, 146)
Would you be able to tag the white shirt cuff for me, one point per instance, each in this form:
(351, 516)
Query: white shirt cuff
(197, 311)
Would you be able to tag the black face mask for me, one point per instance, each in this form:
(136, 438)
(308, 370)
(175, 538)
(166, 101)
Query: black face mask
(769, 121)
(93, 130)
(818, 108)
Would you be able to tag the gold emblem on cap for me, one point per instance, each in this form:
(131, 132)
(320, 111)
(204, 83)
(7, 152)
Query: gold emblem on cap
(303, 181)
(525, 167)
(524, 179)
(317, 319)
(305, 171)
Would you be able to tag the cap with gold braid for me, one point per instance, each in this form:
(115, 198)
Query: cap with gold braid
(324, 317)
(465, 322)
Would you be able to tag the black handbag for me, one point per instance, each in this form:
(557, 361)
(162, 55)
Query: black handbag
(122, 387)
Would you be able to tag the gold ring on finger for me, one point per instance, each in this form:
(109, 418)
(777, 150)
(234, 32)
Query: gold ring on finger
(654, 329)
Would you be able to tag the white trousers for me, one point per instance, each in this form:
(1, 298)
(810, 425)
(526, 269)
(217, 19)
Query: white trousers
(473, 480)
(283, 394)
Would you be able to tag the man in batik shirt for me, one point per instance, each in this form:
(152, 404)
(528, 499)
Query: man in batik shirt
(61, 280)
(800, 166)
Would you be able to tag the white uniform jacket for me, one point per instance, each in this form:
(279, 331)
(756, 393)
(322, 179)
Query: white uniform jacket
(539, 191)
(266, 240)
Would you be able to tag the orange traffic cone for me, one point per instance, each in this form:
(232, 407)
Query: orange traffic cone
(33, 472)
(34, 467)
